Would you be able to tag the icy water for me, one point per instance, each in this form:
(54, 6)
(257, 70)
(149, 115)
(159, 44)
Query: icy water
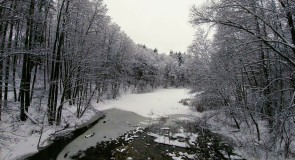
(123, 134)
(116, 123)
(171, 137)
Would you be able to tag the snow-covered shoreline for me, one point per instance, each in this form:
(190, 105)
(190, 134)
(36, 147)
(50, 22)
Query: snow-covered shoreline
(25, 140)
(244, 138)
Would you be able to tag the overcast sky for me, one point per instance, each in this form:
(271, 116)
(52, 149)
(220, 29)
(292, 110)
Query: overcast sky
(161, 24)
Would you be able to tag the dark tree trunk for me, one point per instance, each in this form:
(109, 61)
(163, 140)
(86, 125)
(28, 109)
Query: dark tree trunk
(2, 52)
(9, 47)
(14, 61)
(33, 83)
(27, 65)
(53, 89)
(56, 64)
(289, 16)
(1, 38)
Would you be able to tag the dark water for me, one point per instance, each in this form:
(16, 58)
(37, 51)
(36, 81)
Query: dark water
(51, 152)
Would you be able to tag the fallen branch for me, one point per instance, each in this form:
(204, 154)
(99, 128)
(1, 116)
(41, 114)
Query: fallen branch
(31, 118)
(38, 145)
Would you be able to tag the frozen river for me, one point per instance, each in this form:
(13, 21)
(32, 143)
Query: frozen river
(162, 102)
(116, 123)
(127, 113)
(130, 112)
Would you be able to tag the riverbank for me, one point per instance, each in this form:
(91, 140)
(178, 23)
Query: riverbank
(19, 139)
(60, 140)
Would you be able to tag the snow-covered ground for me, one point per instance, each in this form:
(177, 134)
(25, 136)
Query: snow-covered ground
(162, 102)
(245, 139)
(18, 139)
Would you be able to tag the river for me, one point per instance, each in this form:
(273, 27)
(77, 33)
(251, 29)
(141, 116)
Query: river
(161, 128)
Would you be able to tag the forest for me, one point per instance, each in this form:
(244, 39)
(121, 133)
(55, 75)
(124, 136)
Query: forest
(60, 53)
(69, 52)
(249, 70)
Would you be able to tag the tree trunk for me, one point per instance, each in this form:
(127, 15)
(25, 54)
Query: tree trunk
(55, 72)
(33, 83)
(2, 52)
(9, 47)
(290, 18)
(27, 66)
(14, 61)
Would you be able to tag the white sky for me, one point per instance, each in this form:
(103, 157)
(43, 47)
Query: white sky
(161, 24)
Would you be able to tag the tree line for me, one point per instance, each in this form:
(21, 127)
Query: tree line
(248, 67)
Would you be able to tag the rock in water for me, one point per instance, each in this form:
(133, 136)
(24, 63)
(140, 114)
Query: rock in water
(65, 156)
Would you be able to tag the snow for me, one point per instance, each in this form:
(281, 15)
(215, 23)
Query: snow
(193, 138)
(179, 135)
(138, 129)
(23, 141)
(171, 154)
(180, 141)
(185, 119)
(121, 150)
(162, 102)
(132, 137)
(20, 139)
(182, 134)
(177, 158)
(245, 139)
(190, 156)
(181, 156)
(89, 135)
(166, 140)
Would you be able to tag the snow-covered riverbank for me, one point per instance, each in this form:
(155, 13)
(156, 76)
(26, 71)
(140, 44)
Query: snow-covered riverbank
(21, 139)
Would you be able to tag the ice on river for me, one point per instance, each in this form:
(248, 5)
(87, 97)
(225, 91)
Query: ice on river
(116, 123)
(168, 141)
(162, 102)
